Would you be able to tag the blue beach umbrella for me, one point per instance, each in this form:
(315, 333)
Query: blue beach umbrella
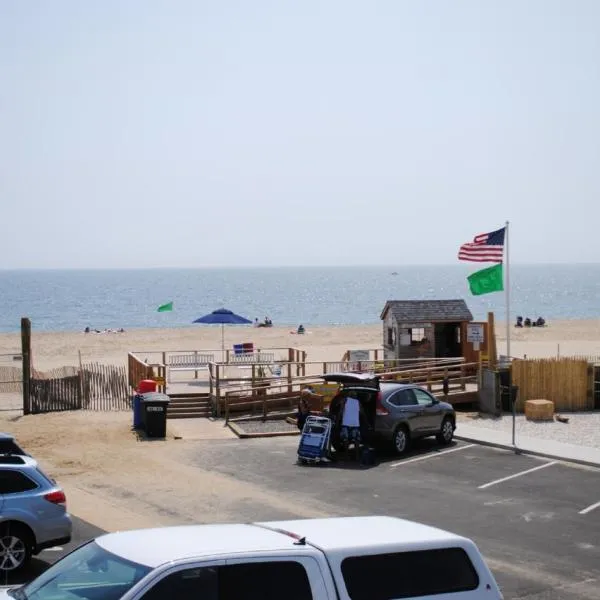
(222, 317)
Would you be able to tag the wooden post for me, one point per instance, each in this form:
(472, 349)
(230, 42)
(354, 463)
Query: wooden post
(218, 392)
(463, 383)
(492, 351)
(289, 379)
(26, 353)
(253, 379)
(429, 380)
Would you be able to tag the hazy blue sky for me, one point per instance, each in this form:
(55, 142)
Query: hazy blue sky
(186, 133)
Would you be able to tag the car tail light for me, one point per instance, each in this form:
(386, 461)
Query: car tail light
(56, 497)
(380, 409)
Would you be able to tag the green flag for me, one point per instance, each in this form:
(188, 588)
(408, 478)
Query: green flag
(487, 280)
(165, 307)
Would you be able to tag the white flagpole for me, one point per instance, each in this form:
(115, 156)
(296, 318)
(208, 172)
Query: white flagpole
(507, 286)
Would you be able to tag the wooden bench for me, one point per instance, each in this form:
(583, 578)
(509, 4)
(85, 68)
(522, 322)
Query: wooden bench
(192, 361)
(252, 358)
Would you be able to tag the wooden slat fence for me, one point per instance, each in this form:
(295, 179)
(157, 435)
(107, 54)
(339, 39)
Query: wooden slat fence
(105, 387)
(568, 382)
(92, 387)
(53, 395)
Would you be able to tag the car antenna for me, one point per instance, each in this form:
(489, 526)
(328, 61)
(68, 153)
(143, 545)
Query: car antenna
(300, 542)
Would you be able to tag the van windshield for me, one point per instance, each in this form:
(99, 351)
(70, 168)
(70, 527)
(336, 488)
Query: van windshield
(88, 573)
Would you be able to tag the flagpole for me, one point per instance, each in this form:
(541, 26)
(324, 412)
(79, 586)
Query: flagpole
(507, 260)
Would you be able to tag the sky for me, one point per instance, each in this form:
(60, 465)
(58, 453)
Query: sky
(183, 133)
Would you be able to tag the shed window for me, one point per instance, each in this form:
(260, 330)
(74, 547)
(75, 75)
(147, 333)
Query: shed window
(409, 574)
(417, 334)
(390, 336)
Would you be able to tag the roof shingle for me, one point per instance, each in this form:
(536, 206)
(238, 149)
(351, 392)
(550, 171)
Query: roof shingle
(417, 311)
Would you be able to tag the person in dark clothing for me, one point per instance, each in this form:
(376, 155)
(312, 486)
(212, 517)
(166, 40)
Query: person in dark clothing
(303, 413)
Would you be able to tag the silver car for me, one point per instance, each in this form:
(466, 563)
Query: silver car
(392, 413)
(33, 513)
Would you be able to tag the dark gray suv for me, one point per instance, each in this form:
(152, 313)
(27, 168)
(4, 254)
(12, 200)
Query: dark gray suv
(392, 413)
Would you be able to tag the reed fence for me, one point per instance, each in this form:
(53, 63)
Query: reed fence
(568, 382)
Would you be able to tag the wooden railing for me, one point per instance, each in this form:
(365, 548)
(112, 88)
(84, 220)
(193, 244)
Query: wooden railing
(388, 365)
(137, 370)
(272, 395)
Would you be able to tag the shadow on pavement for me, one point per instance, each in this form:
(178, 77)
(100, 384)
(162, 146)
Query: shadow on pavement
(421, 447)
(36, 567)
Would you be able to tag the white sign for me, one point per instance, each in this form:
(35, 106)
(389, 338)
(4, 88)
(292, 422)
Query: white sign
(475, 333)
(415, 325)
(359, 355)
(154, 408)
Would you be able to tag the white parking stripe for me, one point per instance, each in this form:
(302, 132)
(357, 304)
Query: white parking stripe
(434, 455)
(491, 483)
(590, 508)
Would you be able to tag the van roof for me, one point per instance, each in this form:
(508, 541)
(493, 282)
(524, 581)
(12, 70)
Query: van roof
(153, 547)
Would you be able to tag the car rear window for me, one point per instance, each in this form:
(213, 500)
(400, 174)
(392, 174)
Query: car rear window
(15, 482)
(409, 574)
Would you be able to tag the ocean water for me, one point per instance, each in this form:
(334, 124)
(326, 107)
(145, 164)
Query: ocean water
(71, 300)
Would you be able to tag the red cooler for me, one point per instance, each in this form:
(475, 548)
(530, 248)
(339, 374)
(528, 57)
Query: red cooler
(146, 385)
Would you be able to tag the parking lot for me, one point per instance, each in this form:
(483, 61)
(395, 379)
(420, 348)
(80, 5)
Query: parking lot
(537, 521)
(82, 532)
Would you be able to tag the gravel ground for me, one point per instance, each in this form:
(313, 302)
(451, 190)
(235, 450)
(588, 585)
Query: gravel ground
(583, 429)
(273, 426)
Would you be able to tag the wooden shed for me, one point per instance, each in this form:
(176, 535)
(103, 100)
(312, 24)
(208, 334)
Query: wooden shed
(428, 329)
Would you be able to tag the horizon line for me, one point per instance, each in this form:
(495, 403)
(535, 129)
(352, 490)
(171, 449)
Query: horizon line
(328, 266)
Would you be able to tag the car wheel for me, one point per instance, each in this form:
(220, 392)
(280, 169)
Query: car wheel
(401, 440)
(15, 548)
(446, 431)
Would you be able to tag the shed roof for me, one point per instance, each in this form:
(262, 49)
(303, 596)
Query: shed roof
(417, 311)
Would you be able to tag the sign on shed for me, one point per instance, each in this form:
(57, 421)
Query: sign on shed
(475, 334)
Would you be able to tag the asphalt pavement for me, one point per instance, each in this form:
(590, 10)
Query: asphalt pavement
(82, 532)
(536, 520)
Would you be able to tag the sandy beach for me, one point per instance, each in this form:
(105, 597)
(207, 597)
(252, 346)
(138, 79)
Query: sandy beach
(51, 350)
(97, 453)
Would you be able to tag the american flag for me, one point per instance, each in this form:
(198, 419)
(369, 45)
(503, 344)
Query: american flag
(485, 247)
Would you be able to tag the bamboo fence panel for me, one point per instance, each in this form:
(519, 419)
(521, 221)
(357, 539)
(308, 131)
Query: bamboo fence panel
(568, 382)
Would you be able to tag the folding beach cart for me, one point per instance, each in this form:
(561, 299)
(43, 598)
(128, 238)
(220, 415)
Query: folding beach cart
(314, 440)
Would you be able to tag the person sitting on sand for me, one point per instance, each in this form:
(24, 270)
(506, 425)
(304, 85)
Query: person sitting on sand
(300, 329)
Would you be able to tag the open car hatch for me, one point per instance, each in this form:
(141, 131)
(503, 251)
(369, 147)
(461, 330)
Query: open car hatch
(349, 380)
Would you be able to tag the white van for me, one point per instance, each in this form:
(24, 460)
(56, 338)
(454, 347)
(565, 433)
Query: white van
(355, 558)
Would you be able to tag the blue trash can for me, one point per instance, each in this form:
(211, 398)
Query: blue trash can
(137, 411)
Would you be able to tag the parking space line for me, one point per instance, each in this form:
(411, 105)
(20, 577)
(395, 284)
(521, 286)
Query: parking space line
(590, 508)
(426, 456)
(491, 483)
